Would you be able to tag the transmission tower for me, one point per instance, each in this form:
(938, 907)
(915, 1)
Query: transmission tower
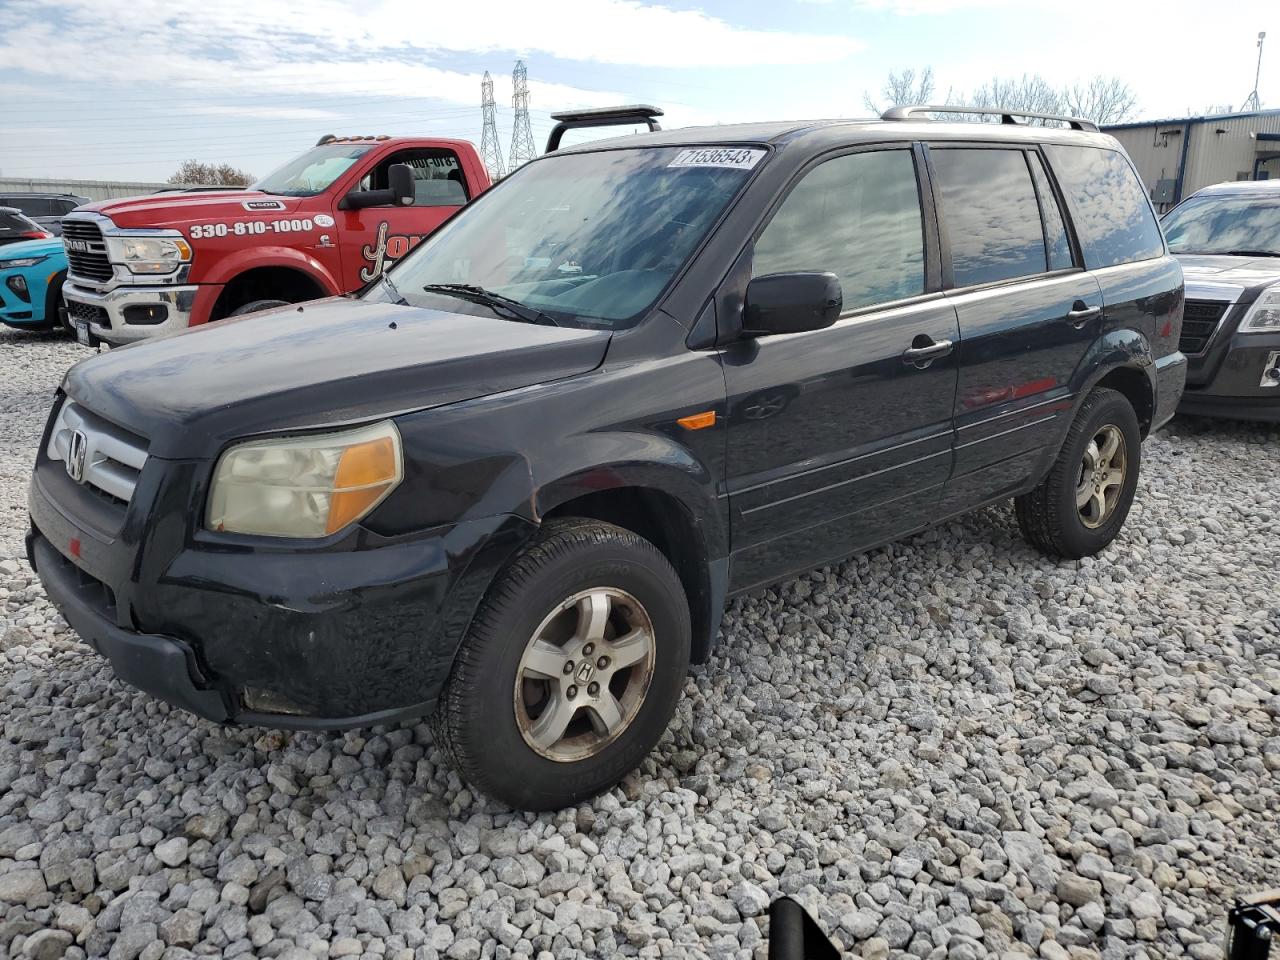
(490, 148)
(1253, 102)
(522, 148)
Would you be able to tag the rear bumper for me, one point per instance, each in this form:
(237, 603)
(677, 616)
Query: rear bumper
(111, 320)
(1171, 378)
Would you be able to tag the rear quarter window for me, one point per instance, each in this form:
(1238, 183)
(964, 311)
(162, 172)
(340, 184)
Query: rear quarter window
(1108, 204)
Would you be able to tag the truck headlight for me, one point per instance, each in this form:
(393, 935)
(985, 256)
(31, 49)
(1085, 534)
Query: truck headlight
(1264, 315)
(154, 254)
(309, 486)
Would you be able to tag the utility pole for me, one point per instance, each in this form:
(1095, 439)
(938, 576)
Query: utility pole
(522, 148)
(490, 147)
(1253, 102)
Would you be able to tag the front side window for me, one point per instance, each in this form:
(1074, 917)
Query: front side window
(314, 172)
(1113, 219)
(992, 218)
(586, 238)
(437, 177)
(1240, 225)
(857, 216)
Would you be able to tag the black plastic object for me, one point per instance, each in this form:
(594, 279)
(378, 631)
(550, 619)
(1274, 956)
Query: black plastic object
(794, 935)
(791, 303)
(601, 117)
(1251, 926)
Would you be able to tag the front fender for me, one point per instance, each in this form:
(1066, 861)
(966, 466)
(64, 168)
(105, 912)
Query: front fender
(233, 264)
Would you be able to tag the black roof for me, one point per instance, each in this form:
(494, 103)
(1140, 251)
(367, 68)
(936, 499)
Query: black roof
(820, 133)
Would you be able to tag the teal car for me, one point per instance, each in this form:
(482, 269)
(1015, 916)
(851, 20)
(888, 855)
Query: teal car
(31, 276)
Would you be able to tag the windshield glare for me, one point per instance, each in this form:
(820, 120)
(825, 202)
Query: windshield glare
(1224, 224)
(313, 172)
(591, 237)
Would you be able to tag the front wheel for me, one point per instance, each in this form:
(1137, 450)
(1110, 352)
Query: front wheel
(570, 671)
(257, 306)
(1081, 505)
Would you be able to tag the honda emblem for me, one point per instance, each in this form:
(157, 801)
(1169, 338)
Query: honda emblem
(76, 455)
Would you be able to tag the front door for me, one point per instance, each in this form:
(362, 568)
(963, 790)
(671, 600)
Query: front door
(376, 237)
(1028, 313)
(838, 438)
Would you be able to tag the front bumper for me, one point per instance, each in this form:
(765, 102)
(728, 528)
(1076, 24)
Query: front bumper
(16, 311)
(1239, 379)
(106, 311)
(348, 634)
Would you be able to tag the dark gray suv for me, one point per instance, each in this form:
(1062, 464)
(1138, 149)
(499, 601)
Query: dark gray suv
(46, 209)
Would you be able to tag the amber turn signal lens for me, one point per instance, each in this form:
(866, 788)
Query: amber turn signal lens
(698, 421)
(365, 472)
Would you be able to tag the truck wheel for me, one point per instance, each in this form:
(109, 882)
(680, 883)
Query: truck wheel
(1081, 505)
(255, 306)
(571, 670)
(54, 318)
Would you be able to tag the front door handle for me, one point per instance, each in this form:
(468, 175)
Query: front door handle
(1081, 313)
(924, 350)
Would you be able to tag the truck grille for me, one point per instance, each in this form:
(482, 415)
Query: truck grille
(88, 312)
(104, 457)
(1200, 319)
(89, 261)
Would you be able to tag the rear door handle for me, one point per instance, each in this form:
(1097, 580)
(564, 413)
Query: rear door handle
(1081, 313)
(927, 351)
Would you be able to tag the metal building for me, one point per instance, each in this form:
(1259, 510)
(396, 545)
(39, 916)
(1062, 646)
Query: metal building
(1175, 158)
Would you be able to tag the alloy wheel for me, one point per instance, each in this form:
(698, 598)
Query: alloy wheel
(1102, 475)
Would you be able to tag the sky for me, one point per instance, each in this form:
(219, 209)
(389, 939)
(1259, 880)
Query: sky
(128, 89)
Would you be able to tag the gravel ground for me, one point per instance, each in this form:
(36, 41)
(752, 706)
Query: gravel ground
(950, 746)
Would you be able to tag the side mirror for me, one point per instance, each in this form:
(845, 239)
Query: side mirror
(399, 193)
(791, 303)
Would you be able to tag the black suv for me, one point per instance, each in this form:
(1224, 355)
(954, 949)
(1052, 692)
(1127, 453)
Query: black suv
(1227, 238)
(514, 481)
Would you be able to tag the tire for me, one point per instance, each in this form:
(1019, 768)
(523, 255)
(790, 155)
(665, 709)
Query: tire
(486, 722)
(1049, 516)
(54, 319)
(256, 306)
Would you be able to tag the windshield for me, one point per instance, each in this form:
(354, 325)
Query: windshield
(1225, 225)
(313, 172)
(589, 238)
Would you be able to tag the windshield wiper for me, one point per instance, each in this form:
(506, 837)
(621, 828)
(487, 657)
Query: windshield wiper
(503, 306)
(1237, 253)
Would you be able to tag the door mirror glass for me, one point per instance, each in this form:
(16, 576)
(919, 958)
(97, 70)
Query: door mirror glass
(399, 192)
(791, 303)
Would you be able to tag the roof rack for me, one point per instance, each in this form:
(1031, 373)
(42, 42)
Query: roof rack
(1006, 116)
(601, 117)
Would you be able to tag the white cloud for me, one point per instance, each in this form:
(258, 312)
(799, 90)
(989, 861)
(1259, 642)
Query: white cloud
(264, 113)
(915, 8)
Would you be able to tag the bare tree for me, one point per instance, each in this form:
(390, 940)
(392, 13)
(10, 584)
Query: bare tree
(902, 89)
(211, 174)
(1029, 92)
(1103, 100)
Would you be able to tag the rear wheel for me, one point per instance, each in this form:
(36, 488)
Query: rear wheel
(1081, 505)
(571, 669)
(256, 306)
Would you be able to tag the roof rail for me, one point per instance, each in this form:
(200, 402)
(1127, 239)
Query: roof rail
(601, 117)
(1006, 116)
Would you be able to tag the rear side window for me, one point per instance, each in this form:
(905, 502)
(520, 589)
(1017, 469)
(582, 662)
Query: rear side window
(857, 216)
(35, 206)
(1112, 217)
(15, 221)
(1055, 230)
(993, 219)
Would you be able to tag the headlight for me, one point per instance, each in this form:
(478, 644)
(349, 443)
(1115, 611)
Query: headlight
(22, 262)
(304, 486)
(160, 254)
(1264, 315)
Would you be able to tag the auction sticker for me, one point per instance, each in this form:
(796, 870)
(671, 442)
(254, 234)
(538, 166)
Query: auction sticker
(732, 158)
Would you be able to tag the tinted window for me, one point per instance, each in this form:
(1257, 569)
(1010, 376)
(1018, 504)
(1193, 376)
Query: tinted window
(993, 221)
(858, 217)
(16, 221)
(1055, 231)
(35, 206)
(1224, 224)
(1112, 217)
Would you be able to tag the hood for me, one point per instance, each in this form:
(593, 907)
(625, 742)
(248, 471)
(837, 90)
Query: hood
(33, 248)
(1241, 272)
(166, 209)
(330, 362)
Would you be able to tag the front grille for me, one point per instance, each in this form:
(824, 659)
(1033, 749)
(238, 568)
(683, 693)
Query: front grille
(104, 458)
(90, 263)
(88, 312)
(1200, 319)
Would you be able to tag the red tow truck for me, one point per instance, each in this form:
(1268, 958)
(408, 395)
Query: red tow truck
(327, 222)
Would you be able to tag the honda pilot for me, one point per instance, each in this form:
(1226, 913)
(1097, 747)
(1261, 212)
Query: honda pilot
(512, 482)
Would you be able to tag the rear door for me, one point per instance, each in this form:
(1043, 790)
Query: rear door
(838, 439)
(1027, 310)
